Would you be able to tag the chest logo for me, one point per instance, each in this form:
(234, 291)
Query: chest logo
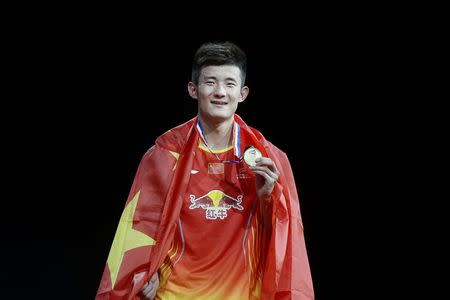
(216, 204)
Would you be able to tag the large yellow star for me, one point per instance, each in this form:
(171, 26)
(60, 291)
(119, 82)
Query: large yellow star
(126, 238)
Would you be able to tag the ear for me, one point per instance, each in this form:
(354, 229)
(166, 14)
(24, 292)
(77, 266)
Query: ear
(244, 93)
(192, 89)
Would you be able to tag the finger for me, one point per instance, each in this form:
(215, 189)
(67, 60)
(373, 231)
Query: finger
(149, 294)
(146, 291)
(273, 175)
(265, 161)
(152, 293)
(152, 282)
(266, 176)
(149, 289)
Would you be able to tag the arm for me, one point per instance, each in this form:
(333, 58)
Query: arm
(267, 176)
(287, 272)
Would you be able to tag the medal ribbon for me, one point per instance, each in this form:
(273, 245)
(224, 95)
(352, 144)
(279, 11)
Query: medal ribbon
(236, 142)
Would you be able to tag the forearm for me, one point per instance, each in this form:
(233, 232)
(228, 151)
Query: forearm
(265, 209)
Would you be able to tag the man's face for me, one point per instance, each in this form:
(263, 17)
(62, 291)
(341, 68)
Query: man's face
(218, 92)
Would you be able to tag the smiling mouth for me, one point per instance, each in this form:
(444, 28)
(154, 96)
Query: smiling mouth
(219, 102)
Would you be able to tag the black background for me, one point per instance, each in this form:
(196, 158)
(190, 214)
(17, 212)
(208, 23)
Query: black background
(350, 93)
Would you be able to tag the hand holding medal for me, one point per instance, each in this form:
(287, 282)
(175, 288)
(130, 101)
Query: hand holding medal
(265, 168)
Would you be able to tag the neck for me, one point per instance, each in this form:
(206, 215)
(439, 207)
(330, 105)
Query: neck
(218, 134)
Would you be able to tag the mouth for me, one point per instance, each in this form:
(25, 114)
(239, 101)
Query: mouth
(217, 102)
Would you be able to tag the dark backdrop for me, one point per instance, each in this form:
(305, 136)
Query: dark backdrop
(348, 92)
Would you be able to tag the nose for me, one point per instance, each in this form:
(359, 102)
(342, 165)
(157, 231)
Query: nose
(220, 91)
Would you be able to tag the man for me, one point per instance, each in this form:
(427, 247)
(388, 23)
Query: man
(213, 212)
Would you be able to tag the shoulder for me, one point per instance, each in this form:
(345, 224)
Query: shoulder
(171, 142)
(268, 144)
(175, 138)
(274, 149)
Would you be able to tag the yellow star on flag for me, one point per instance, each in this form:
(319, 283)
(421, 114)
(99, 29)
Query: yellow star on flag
(126, 238)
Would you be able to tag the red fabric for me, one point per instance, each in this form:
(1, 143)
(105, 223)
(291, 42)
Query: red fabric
(214, 247)
(286, 272)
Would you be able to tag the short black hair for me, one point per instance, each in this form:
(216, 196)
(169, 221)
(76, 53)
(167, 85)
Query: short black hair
(218, 54)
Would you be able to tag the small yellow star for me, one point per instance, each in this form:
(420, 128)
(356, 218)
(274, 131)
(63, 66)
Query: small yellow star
(176, 155)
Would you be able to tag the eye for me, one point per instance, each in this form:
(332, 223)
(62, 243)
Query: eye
(231, 84)
(209, 82)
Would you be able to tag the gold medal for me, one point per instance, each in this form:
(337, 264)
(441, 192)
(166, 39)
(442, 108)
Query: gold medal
(251, 154)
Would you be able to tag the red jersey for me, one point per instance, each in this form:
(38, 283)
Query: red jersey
(220, 262)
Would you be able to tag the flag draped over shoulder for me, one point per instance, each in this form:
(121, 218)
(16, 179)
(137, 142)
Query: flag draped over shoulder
(147, 225)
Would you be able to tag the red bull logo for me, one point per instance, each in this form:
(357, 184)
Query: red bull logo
(216, 204)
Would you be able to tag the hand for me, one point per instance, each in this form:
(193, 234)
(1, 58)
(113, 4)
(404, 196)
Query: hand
(148, 291)
(267, 176)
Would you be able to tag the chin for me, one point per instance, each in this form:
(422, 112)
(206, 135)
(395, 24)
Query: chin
(219, 116)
